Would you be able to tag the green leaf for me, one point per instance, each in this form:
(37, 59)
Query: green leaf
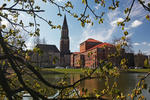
(117, 3)
(3, 63)
(44, 1)
(125, 33)
(97, 95)
(101, 20)
(126, 10)
(11, 31)
(147, 17)
(82, 24)
(84, 1)
(97, 1)
(37, 7)
(123, 38)
(118, 23)
(59, 26)
(122, 24)
(3, 26)
(49, 22)
(75, 15)
(59, 14)
(31, 24)
(88, 21)
(122, 27)
(127, 19)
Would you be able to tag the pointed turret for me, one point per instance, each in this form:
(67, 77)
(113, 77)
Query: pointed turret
(65, 31)
(65, 26)
(64, 41)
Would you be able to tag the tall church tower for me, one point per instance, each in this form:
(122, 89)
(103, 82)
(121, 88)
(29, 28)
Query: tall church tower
(64, 40)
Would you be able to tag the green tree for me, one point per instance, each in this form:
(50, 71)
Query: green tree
(17, 62)
(127, 44)
(146, 63)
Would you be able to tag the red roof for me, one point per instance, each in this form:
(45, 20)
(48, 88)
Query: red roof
(92, 40)
(102, 45)
(76, 52)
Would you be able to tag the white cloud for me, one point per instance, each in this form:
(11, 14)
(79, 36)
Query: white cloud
(147, 52)
(144, 43)
(136, 23)
(101, 35)
(105, 33)
(113, 15)
(136, 44)
(115, 21)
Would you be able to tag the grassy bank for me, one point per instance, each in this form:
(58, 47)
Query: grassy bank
(70, 71)
(79, 71)
(139, 70)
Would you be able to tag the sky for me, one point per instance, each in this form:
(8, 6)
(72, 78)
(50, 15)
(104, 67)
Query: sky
(138, 27)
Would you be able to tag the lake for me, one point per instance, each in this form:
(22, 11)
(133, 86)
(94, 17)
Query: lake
(127, 82)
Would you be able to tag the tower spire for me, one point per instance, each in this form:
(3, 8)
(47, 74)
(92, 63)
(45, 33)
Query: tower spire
(64, 41)
(65, 25)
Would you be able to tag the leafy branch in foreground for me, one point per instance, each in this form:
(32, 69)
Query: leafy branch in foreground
(16, 70)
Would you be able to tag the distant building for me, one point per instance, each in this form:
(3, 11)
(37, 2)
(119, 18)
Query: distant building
(139, 59)
(50, 56)
(130, 59)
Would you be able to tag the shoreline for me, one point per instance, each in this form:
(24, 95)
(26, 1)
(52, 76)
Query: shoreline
(80, 71)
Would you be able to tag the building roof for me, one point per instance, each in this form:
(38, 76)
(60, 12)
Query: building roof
(92, 40)
(102, 45)
(47, 48)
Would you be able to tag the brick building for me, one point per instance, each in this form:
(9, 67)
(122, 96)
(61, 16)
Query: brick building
(91, 51)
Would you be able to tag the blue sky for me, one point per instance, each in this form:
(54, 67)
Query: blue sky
(138, 27)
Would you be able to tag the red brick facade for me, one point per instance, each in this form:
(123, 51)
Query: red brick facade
(84, 46)
(91, 51)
